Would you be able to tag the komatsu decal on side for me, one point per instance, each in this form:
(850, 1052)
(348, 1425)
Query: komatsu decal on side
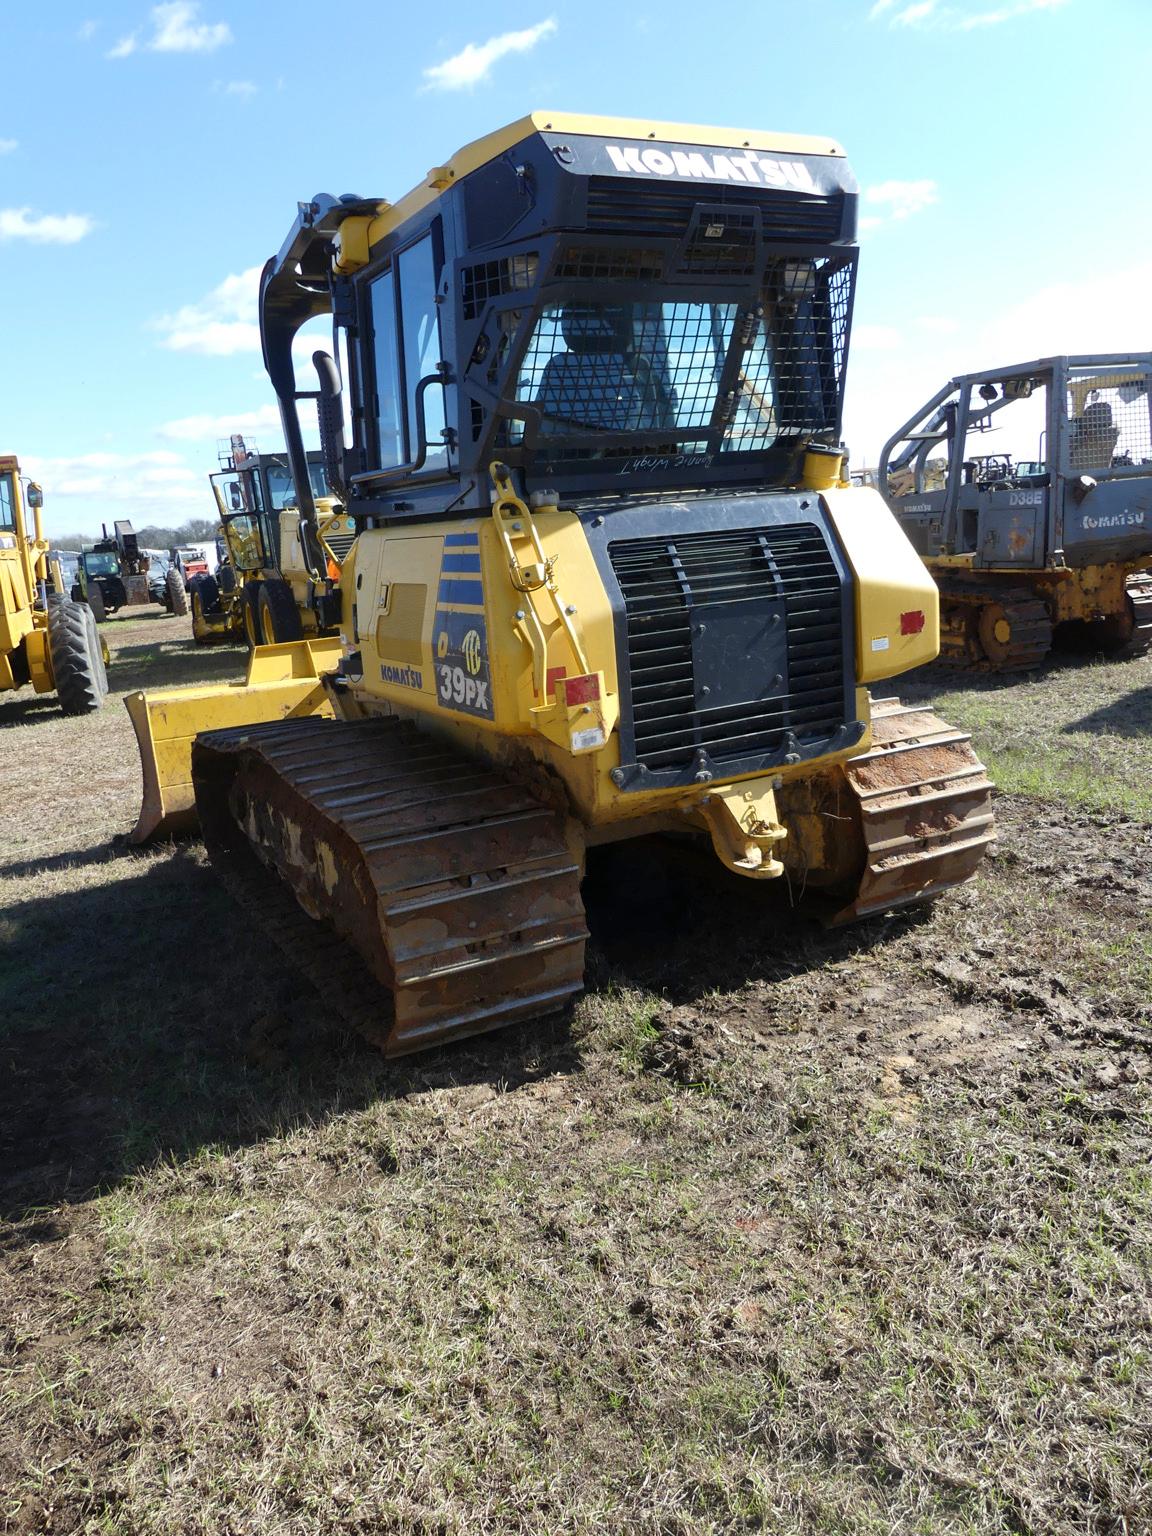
(759, 170)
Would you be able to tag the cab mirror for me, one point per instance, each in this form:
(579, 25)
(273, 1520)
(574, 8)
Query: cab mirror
(35, 496)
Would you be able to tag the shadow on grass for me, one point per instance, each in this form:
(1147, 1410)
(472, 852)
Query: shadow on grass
(1130, 715)
(666, 916)
(142, 1018)
(28, 710)
(150, 666)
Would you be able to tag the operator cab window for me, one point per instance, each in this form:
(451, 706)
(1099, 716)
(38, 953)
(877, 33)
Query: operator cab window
(421, 332)
(7, 505)
(389, 424)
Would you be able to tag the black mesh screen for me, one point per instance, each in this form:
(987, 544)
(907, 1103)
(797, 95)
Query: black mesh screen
(605, 265)
(489, 279)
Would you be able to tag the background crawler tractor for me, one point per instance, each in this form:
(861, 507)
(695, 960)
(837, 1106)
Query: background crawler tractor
(1025, 549)
(46, 638)
(608, 578)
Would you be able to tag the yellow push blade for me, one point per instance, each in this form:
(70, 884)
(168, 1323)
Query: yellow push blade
(283, 681)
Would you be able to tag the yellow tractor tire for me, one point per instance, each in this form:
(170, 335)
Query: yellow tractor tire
(271, 616)
(249, 600)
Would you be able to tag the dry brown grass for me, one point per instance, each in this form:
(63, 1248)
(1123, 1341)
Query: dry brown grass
(780, 1230)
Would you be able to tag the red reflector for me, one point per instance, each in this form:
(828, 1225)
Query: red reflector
(554, 676)
(581, 690)
(912, 622)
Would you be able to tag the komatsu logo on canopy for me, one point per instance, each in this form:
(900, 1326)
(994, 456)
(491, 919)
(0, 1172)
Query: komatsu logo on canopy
(696, 165)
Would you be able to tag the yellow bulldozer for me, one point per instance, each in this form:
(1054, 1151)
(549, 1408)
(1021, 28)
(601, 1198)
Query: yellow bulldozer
(609, 576)
(264, 590)
(46, 639)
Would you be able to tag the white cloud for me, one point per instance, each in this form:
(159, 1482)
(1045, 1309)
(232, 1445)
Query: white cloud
(8, 145)
(474, 62)
(86, 30)
(930, 13)
(259, 424)
(175, 29)
(901, 199)
(119, 478)
(44, 228)
(221, 324)
(245, 89)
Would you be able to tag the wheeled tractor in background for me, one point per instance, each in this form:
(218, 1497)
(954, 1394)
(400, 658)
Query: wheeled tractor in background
(47, 638)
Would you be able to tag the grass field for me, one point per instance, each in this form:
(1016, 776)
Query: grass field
(779, 1230)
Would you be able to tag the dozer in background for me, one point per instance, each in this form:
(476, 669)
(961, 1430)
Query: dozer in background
(1023, 549)
(264, 590)
(609, 579)
(46, 638)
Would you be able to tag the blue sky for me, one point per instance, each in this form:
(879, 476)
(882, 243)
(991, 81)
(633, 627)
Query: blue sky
(151, 158)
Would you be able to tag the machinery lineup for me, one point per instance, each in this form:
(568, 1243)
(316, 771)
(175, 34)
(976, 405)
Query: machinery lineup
(579, 561)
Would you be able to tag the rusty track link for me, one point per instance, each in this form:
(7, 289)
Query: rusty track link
(1139, 592)
(924, 802)
(971, 621)
(458, 891)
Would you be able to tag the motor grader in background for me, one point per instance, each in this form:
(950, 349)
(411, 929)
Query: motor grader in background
(46, 638)
(1025, 549)
(609, 578)
(264, 591)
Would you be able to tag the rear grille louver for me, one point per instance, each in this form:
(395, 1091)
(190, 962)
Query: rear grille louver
(665, 210)
(779, 585)
(340, 544)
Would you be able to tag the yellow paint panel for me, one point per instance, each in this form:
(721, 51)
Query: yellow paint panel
(891, 580)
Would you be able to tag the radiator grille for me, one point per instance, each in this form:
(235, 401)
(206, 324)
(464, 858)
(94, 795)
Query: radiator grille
(665, 211)
(671, 585)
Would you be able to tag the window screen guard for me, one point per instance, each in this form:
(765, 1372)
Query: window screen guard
(728, 374)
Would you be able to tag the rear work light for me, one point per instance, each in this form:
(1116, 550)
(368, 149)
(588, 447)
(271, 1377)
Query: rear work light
(912, 622)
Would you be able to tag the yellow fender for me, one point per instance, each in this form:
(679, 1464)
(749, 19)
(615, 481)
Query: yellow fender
(283, 681)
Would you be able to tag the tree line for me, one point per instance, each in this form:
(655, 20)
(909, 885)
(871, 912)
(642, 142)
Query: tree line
(197, 530)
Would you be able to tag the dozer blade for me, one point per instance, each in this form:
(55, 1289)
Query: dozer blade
(283, 682)
(442, 898)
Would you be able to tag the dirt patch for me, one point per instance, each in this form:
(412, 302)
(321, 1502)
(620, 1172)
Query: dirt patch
(779, 1229)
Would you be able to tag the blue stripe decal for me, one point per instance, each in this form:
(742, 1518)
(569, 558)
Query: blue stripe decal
(461, 592)
(457, 540)
(463, 562)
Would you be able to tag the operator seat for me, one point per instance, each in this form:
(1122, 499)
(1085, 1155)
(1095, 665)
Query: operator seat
(601, 381)
(1093, 437)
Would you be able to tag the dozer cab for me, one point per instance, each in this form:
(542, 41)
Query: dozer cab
(264, 591)
(608, 580)
(1028, 493)
(46, 638)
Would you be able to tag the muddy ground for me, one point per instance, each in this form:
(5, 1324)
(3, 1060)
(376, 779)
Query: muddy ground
(778, 1229)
